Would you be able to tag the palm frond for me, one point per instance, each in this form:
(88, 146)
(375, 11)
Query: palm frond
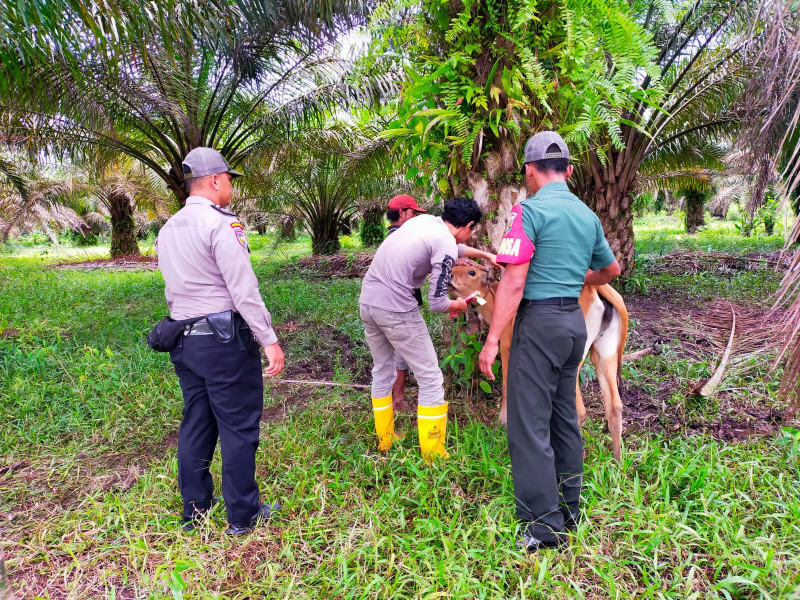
(155, 80)
(48, 203)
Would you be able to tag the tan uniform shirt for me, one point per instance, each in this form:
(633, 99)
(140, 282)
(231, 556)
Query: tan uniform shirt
(205, 261)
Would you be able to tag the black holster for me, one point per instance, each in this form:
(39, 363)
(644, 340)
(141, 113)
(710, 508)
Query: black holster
(223, 325)
(226, 326)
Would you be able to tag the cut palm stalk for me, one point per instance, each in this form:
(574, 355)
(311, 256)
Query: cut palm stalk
(711, 385)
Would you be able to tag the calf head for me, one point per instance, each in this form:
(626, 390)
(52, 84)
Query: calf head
(468, 278)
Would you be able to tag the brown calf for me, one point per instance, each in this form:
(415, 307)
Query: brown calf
(606, 329)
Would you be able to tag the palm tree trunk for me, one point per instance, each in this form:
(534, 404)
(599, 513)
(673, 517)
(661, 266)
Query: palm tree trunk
(324, 235)
(123, 227)
(695, 204)
(609, 194)
(612, 204)
(496, 185)
(372, 229)
(286, 229)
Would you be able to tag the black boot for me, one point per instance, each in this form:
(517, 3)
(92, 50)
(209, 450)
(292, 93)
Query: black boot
(265, 511)
(190, 523)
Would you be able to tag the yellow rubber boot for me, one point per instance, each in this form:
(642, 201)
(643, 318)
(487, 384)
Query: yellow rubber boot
(432, 425)
(384, 422)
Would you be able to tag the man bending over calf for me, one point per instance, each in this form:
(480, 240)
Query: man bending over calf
(392, 321)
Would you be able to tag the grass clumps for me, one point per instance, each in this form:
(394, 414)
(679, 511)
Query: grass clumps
(89, 505)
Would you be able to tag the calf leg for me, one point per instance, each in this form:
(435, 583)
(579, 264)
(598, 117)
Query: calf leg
(592, 308)
(581, 408)
(606, 367)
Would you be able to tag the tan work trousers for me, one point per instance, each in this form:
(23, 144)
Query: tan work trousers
(406, 334)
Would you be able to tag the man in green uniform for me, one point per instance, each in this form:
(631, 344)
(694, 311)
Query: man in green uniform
(551, 241)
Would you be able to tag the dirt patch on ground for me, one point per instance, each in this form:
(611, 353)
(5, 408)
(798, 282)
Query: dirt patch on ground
(333, 357)
(701, 333)
(126, 263)
(692, 331)
(352, 265)
(320, 356)
(695, 333)
(682, 262)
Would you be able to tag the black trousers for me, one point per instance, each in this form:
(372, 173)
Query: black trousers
(543, 437)
(223, 397)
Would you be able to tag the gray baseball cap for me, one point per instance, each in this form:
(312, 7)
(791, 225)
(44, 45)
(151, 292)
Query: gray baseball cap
(537, 146)
(206, 161)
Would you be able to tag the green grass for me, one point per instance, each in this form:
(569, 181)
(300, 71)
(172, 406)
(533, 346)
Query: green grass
(660, 234)
(93, 509)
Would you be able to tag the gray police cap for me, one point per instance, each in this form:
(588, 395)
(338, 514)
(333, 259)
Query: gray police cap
(206, 161)
(537, 146)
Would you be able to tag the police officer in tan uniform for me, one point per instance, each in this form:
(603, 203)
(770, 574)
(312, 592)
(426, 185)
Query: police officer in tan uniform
(204, 258)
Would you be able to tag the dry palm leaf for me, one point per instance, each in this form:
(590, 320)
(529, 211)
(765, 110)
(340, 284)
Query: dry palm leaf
(707, 388)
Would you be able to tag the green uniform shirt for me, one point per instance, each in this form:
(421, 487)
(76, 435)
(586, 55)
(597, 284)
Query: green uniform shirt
(568, 240)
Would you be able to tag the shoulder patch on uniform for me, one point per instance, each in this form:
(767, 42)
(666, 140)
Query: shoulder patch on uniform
(515, 247)
(238, 231)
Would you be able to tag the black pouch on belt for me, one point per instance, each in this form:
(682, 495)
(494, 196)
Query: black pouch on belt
(165, 335)
(222, 324)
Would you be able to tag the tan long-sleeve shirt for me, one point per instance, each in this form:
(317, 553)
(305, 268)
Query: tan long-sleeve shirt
(205, 261)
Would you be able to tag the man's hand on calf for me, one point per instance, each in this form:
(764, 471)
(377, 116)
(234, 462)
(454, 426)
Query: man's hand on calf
(458, 306)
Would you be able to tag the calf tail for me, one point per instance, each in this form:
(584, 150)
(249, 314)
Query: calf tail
(613, 301)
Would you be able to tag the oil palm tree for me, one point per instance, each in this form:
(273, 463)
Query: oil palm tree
(31, 198)
(703, 69)
(122, 186)
(773, 105)
(688, 168)
(484, 76)
(324, 178)
(152, 81)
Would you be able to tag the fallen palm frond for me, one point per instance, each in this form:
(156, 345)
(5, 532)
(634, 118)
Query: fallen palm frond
(139, 263)
(707, 387)
(758, 334)
(343, 264)
(680, 262)
(318, 383)
(638, 354)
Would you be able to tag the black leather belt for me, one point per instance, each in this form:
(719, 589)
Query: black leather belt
(556, 301)
(201, 327)
(229, 321)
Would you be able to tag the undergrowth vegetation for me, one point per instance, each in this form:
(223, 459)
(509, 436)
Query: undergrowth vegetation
(89, 506)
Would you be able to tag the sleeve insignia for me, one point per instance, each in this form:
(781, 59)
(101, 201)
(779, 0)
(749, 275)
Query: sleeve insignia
(511, 218)
(238, 231)
(515, 247)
